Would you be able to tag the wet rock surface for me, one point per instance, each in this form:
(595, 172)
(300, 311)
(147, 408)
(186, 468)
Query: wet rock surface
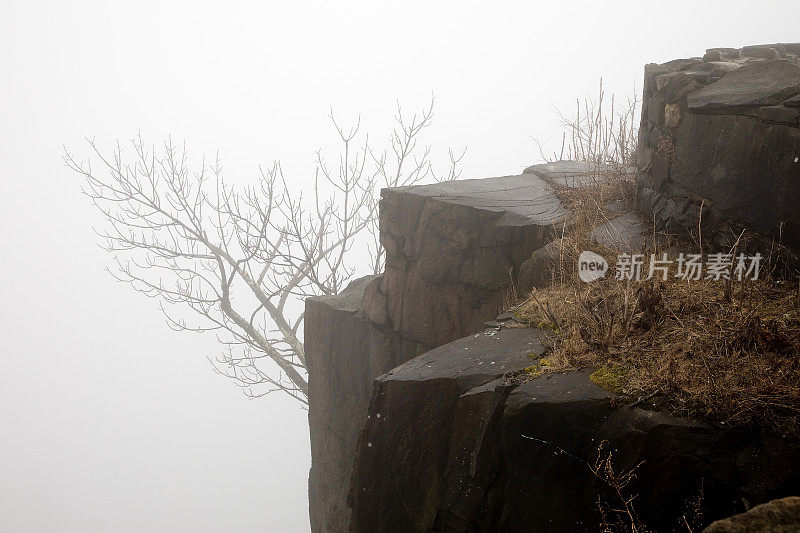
(449, 248)
(344, 354)
(722, 134)
(452, 251)
(410, 458)
(453, 442)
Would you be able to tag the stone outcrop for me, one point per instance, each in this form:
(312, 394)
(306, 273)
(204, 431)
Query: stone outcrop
(450, 436)
(409, 458)
(453, 442)
(722, 134)
(449, 248)
(452, 250)
(777, 516)
(344, 354)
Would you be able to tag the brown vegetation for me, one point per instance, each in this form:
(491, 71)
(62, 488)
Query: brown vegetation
(727, 350)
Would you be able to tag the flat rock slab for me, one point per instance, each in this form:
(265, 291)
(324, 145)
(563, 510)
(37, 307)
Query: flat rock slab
(475, 359)
(453, 250)
(626, 233)
(571, 174)
(758, 83)
(523, 199)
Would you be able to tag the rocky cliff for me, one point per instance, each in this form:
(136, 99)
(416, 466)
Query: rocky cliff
(419, 419)
(721, 134)
(452, 442)
(452, 250)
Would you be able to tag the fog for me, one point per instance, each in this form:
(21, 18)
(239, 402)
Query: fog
(109, 420)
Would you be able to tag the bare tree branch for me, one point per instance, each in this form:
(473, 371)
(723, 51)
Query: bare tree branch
(241, 260)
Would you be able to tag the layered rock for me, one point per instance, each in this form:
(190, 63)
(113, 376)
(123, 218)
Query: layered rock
(449, 248)
(453, 439)
(721, 135)
(344, 352)
(409, 459)
(454, 442)
(452, 251)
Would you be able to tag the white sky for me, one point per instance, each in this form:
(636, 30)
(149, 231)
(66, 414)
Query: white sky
(109, 421)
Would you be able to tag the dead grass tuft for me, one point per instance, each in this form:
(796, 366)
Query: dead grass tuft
(728, 351)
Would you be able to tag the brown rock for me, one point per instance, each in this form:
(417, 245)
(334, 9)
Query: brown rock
(777, 516)
(672, 115)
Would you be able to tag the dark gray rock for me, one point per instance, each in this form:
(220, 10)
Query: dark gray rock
(711, 71)
(794, 101)
(344, 352)
(572, 174)
(452, 250)
(744, 168)
(724, 146)
(424, 435)
(455, 443)
(541, 268)
(552, 430)
(779, 114)
(676, 85)
(777, 516)
(567, 173)
(754, 84)
(626, 233)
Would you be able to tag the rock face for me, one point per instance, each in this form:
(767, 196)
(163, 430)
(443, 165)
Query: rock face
(452, 251)
(344, 353)
(723, 132)
(452, 443)
(777, 516)
(448, 250)
(453, 439)
(409, 459)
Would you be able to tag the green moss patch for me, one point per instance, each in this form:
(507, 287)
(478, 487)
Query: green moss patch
(612, 377)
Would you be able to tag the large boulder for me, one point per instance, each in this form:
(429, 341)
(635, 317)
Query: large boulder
(719, 143)
(408, 461)
(470, 437)
(344, 353)
(453, 250)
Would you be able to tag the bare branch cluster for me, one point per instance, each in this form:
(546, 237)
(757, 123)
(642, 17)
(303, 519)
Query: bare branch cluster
(598, 133)
(242, 259)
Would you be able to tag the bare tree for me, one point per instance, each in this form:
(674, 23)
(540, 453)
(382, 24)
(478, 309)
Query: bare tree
(241, 259)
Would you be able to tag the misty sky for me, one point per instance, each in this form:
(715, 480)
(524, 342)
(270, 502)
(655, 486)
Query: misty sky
(110, 421)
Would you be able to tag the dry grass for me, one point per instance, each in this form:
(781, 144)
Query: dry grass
(730, 357)
(723, 350)
(726, 351)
